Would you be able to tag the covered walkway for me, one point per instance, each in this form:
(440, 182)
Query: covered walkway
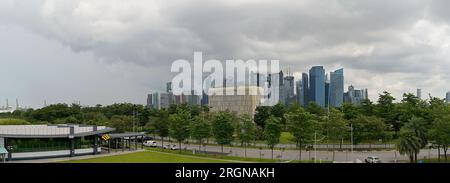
(124, 141)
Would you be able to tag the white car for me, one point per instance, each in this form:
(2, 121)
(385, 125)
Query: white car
(171, 147)
(372, 159)
(150, 143)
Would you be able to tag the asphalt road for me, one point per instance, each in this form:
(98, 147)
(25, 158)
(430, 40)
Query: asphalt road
(386, 156)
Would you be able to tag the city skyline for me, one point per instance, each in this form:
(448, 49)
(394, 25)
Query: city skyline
(67, 51)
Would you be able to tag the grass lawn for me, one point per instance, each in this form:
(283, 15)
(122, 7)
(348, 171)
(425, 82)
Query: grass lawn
(435, 160)
(13, 121)
(222, 157)
(149, 157)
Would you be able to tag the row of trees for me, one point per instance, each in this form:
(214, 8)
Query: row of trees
(412, 122)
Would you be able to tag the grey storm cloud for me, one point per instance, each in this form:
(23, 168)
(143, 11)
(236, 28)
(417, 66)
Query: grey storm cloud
(383, 45)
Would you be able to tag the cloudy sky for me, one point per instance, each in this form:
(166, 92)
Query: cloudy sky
(108, 51)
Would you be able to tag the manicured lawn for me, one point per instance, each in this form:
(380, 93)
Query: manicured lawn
(149, 157)
(287, 138)
(223, 157)
(12, 121)
(435, 160)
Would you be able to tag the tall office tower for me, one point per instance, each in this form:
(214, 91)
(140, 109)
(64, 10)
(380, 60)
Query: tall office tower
(447, 97)
(205, 99)
(169, 87)
(298, 90)
(419, 93)
(337, 88)
(317, 85)
(305, 89)
(288, 90)
(355, 97)
(155, 101)
(165, 99)
(150, 101)
(327, 93)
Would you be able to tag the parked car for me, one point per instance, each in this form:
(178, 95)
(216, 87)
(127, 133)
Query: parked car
(171, 147)
(372, 159)
(150, 143)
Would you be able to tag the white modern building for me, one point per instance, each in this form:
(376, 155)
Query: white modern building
(44, 141)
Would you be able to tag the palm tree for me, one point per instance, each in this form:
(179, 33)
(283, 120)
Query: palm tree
(409, 144)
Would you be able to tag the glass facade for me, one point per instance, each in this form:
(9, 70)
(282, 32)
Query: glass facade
(317, 85)
(336, 88)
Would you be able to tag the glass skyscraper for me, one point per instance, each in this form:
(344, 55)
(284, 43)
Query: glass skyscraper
(317, 85)
(304, 91)
(336, 96)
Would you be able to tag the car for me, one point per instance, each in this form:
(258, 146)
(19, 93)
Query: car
(171, 147)
(150, 143)
(372, 159)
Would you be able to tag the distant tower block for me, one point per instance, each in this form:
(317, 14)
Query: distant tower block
(419, 93)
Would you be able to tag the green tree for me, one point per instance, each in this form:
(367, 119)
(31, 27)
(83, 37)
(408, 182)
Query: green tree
(440, 134)
(222, 128)
(301, 125)
(121, 123)
(272, 132)
(179, 126)
(278, 111)
(262, 113)
(408, 144)
(387, 110)
(336, 127)
(95, 118)
(245, 131)
(159, 122)
(350, 111)
(200, 129)
(368, 128)
(419, 127)
(315, 108)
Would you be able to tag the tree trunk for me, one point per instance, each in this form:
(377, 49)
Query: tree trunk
(245, 150)
(415, 157)
(445, 152)
(439, 153)
(333, 154)
(162, 143)
(272, 153)
(411, 158)
(300, 151)
(179, 142)
(200, 145)
(221, 146)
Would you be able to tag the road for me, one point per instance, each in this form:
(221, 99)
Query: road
(386, 156)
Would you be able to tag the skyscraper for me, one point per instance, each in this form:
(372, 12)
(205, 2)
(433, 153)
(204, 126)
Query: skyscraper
(336, 88)
(447, 97)
(317, 85)
(305, 89)
(288, 90)
(298, 90)
(419, 93)
(354, 96)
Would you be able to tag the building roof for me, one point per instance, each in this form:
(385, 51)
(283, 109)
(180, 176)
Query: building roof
(51, 131)
(126, 134)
